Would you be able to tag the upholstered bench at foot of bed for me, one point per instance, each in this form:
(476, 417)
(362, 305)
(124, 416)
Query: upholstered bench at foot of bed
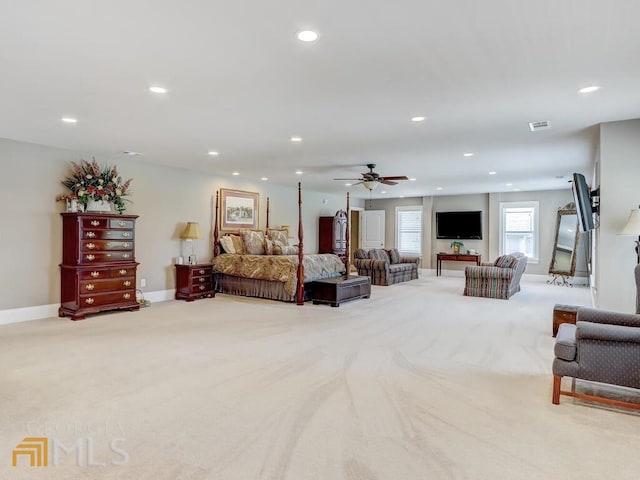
(334, 291)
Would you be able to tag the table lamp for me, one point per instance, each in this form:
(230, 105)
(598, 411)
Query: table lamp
(191, 233)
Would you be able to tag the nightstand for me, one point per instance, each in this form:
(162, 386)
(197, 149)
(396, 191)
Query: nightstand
(194, 281)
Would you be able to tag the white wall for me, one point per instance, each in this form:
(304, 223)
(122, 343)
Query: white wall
(163, 197)
(619, 170)
(489, 204)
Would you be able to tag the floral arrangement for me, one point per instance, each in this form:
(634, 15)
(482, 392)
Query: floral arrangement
(88, 181)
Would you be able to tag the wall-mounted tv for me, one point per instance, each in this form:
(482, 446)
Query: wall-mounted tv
(582, 199)
(459, 225)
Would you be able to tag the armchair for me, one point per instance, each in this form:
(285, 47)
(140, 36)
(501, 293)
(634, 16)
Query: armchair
(602, 346)
(386, 267)
(498, 280)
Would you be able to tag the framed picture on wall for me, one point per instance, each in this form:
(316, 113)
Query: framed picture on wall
(239, 209)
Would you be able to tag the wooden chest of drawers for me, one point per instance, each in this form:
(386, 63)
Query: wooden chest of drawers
(563, 314)
(194, 281)
(98, 269)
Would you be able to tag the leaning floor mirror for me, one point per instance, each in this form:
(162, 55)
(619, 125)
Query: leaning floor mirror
(565, 246)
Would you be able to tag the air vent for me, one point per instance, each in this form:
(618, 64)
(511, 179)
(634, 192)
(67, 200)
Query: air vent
(537, 126)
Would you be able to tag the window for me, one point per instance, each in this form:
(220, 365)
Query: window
(409, 230)
(519, 229)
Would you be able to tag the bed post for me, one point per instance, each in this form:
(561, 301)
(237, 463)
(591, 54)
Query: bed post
(216, 244)
(267, 228)
(300, 286)
(347, 260)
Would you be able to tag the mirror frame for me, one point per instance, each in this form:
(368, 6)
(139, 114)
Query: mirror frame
(569, 209)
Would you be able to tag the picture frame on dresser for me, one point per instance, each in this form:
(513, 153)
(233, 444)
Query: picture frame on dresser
(239, 209)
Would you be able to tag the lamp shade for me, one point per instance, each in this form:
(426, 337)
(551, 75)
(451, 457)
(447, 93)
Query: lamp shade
(191, 231)
(633, 224)
(370, 184)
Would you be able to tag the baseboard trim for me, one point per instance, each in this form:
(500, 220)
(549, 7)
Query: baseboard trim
(26, 314)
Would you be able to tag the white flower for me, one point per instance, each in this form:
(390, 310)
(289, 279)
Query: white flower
(89, 177)
(100, 181)
(81, 193)
(118, 191)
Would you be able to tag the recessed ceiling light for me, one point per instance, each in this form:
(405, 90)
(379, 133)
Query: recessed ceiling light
(508, 184)
(347, 184)
(132, 154)
(264, 179)
(69, 120)
(383, 191)
(589, 89)
(468, 154)
(438, 188)
(401, 196)
(157, 89)
(296, 139)
(307, 36)
(299, 172)
(418, 118)
(412, 179)
(213, 153)
(492, 173)
(516, 189)
(236, 173)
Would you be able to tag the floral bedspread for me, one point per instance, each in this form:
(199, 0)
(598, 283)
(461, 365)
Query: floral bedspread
(279, 268)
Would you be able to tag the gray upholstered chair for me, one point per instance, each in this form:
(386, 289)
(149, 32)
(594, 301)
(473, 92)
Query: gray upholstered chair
(602, 346)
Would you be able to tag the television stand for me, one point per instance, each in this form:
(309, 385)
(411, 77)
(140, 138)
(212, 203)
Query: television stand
(456, 257)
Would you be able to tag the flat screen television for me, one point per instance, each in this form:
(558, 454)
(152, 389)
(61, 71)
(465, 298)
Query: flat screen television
(459, 225)
(582, 199)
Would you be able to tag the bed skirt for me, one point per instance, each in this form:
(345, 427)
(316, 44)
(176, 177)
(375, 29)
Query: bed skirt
(253, 287)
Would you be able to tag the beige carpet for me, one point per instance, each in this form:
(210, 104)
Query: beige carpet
(419, 382)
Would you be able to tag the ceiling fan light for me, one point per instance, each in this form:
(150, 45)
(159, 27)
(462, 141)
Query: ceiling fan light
(370, 184)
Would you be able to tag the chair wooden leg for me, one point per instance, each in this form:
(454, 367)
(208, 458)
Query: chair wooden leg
(555, 399)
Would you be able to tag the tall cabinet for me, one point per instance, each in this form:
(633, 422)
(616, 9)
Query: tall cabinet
(333, 234)
(98, 269)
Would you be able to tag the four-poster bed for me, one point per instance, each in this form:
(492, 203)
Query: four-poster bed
(266, 275)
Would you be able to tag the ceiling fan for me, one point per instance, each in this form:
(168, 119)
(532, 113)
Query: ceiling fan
(371, 179)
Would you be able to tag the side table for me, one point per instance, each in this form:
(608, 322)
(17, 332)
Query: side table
(194, 281)
(563, 314)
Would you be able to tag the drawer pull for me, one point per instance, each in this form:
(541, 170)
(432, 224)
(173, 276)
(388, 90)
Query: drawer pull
(91, 257)
(126, 296)
(126, 245)
(125, 234)
(127, 283)
(91, 246)
(95, 274)
(201, 271)
(122, 224)
(126, 255)
(95, 223)
(90, 286)
(202, 280)
(202, 287)
(91, 234)
(122, 272)
(89, 300)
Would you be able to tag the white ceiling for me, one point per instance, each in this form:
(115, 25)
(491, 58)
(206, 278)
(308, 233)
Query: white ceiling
(241, 83)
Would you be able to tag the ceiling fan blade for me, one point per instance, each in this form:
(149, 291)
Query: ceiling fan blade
(347, 179)
(388, 182)
(400, 177)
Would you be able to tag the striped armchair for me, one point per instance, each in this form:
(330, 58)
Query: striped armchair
(500, 279)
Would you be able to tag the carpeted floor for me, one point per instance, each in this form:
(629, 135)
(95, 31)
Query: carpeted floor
(419, 382)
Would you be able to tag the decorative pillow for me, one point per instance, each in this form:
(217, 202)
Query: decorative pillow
(379, 254)
(226, 242)
(506, 261)
(253, 241)
(278, 236)
(279, 249)
(394, 255)
(238, 245)
(268, 246)
(361, 254)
